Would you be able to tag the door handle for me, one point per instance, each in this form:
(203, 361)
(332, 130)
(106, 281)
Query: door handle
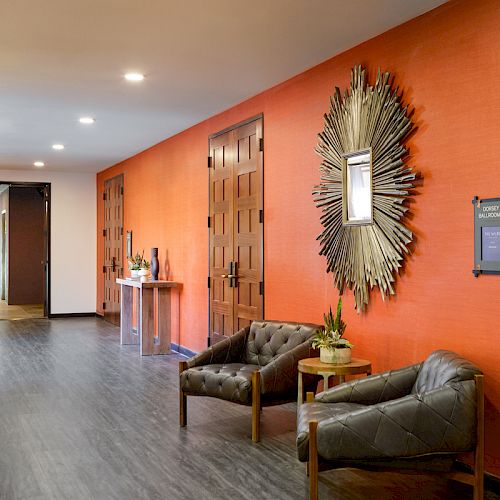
(230, 276)
(113, 264)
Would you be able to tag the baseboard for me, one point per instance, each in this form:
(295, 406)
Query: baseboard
(183, 350)
(73, 315)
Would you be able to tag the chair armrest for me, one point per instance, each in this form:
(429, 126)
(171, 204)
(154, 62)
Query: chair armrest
(374, 389)
(281, 374)
(439, 421)
(229, 350)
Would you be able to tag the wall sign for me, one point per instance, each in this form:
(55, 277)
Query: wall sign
(486, 236)
(129, 244)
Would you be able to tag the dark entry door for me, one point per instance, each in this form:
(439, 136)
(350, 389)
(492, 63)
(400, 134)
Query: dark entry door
(236, 229)
(113, 247)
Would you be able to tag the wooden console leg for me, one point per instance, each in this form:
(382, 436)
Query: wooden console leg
(256, 407)
(146, 311)
(313, 460)
(182, 398)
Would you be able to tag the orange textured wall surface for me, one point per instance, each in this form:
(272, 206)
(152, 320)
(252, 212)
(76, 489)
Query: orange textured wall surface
(447, 63)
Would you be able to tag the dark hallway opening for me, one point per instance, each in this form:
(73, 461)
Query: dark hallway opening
(24, 250)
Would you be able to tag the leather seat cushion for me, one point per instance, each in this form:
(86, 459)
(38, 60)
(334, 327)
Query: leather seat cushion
(231, 382)
(317, 411)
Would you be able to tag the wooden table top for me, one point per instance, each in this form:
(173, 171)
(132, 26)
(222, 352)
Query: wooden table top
(315, 366)
(137, 283)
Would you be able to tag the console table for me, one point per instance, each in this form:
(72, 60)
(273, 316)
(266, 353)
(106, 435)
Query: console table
(146, 315)
(314, 366)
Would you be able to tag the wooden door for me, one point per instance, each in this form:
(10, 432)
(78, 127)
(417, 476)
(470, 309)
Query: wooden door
(236, 229)
(113, 247)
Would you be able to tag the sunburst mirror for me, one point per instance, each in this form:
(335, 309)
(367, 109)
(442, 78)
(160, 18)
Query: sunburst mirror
(364, 184)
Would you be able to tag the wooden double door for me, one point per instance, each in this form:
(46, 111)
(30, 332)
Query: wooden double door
(236, 222)
(113, 247)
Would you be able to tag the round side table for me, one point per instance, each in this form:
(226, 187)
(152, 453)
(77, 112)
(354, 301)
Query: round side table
(314, 366)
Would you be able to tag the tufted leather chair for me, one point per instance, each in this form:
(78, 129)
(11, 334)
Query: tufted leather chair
(418, 417)
(257, 366)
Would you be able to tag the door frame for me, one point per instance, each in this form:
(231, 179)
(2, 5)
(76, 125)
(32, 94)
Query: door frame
(259, 116)
(47, 219)
(3, 263)
(124, 257)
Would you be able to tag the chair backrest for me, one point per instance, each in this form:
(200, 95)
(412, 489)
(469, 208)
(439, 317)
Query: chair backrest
(443, 367)
(268, 339)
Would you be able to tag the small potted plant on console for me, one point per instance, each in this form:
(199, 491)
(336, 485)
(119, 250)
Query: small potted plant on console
(333, 348)
(134, 265)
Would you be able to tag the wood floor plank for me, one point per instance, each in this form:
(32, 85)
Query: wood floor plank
(83, 418)
(16, 312)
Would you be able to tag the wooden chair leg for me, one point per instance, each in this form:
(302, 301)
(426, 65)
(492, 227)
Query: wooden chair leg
(479, 453)
(313, 460)
(256, 407)
(309, 399)
(182, 398)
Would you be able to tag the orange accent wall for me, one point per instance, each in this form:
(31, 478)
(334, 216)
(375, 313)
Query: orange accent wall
(447, 63)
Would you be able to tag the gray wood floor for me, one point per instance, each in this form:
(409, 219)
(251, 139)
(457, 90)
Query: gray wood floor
(83, 418)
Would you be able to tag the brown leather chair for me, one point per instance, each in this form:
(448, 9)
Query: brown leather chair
(257, 367)
(415, 418)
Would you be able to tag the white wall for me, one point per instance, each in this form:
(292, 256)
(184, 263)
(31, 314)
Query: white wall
(73, 237)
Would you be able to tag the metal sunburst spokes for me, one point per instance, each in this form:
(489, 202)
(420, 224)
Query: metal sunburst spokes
(362, 256)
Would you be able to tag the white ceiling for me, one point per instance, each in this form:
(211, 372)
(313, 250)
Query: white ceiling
(62, 59)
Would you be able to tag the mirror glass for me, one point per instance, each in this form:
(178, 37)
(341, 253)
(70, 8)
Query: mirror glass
(358, 188)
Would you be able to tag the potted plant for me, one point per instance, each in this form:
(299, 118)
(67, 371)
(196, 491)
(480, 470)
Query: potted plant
(333, 348)
(134, 264)
(144, 270)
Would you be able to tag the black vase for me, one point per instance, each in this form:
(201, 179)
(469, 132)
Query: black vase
(155, 264)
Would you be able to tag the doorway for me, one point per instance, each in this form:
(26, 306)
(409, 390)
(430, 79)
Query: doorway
(236, 228)
(25, 250)
(113, 247)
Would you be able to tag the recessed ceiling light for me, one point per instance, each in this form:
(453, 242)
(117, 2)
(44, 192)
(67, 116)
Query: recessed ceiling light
(87, 120)
(58, 147)
(134, 77)
(39, 164)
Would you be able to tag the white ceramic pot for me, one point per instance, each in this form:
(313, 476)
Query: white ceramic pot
(134, 273)
(143, 274)
(335, 356)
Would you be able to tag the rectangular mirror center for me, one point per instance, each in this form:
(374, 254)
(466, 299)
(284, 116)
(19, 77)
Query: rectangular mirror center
(357, 189)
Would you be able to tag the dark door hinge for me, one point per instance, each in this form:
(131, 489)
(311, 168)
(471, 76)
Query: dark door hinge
(104, 196)
(104, 232)
(209, 221)
(208, 282)
(121, 231)
(103, 269)
(261, 216)
(209, 162)
(104, 306)
(261, 288)
(261, 144)
(121, 190)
